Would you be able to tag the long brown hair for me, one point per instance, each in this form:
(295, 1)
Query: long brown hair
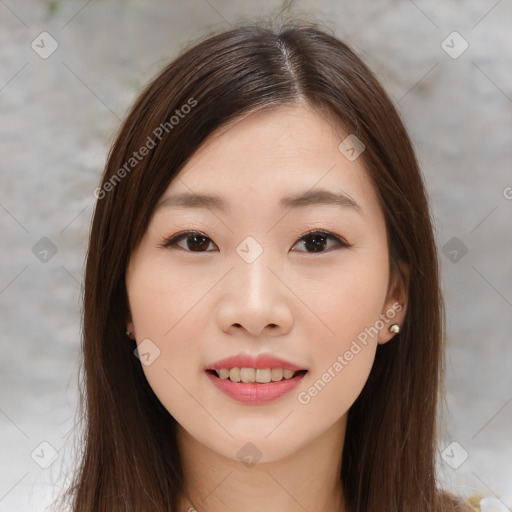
(129, 459)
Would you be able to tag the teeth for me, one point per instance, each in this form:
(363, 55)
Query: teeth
(288, 374)
(247, 374)
(223, 373)
(263, 375)
(234, 374)
(277, 374)
(260, 375)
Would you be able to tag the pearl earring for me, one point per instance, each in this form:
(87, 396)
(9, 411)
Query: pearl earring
(130, 329)
(394, 328)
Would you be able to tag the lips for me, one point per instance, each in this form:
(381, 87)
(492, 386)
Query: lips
(255, 392)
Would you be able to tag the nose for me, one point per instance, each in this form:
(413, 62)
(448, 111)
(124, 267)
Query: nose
(254, 299)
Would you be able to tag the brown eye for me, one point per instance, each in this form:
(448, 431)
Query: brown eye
(194, 241)
(317, 241)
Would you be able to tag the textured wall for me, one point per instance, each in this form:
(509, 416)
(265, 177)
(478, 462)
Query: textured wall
(58, 115)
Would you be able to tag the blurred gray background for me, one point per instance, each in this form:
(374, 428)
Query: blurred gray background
(447, 66)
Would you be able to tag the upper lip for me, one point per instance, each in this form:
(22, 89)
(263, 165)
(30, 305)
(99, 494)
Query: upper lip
(246, 361)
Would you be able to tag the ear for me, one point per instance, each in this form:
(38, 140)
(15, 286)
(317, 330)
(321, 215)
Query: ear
(130, 328)
(395, 307)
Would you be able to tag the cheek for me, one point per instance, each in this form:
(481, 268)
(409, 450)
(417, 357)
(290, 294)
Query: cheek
(160, 298)
(346, 300)
(335, 386)
(344, 343)
(164, 306)
(347, 304)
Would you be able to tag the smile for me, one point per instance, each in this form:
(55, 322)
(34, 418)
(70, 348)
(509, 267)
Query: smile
(255, 386)
(260, 375)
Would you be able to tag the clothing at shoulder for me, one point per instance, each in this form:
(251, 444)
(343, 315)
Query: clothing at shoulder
(480, 503)
(474, 502)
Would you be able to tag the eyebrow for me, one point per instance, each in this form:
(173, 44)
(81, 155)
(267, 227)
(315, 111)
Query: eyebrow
(303, 200)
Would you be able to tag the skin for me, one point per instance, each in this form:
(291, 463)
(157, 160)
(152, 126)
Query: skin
(303, 306)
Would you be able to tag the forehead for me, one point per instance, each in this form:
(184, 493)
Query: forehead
(271, 155)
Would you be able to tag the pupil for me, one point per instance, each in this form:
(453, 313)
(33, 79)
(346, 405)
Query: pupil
(197, 246)
(317, 244)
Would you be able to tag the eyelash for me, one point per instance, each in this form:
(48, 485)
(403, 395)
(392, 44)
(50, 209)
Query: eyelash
(172, 241)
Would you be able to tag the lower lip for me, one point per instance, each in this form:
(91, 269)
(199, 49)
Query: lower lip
(253, 392)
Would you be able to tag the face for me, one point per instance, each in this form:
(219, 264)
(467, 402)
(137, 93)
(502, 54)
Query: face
(279, 283)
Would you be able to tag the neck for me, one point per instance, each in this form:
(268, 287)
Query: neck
(307, 479)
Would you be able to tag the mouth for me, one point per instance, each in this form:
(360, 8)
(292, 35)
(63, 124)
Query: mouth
(255, 375)
(255, 379)
(255, 386)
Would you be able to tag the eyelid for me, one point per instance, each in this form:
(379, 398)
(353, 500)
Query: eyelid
(329, 234)
(174, 239)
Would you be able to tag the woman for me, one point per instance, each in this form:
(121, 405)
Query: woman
(263, 321)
